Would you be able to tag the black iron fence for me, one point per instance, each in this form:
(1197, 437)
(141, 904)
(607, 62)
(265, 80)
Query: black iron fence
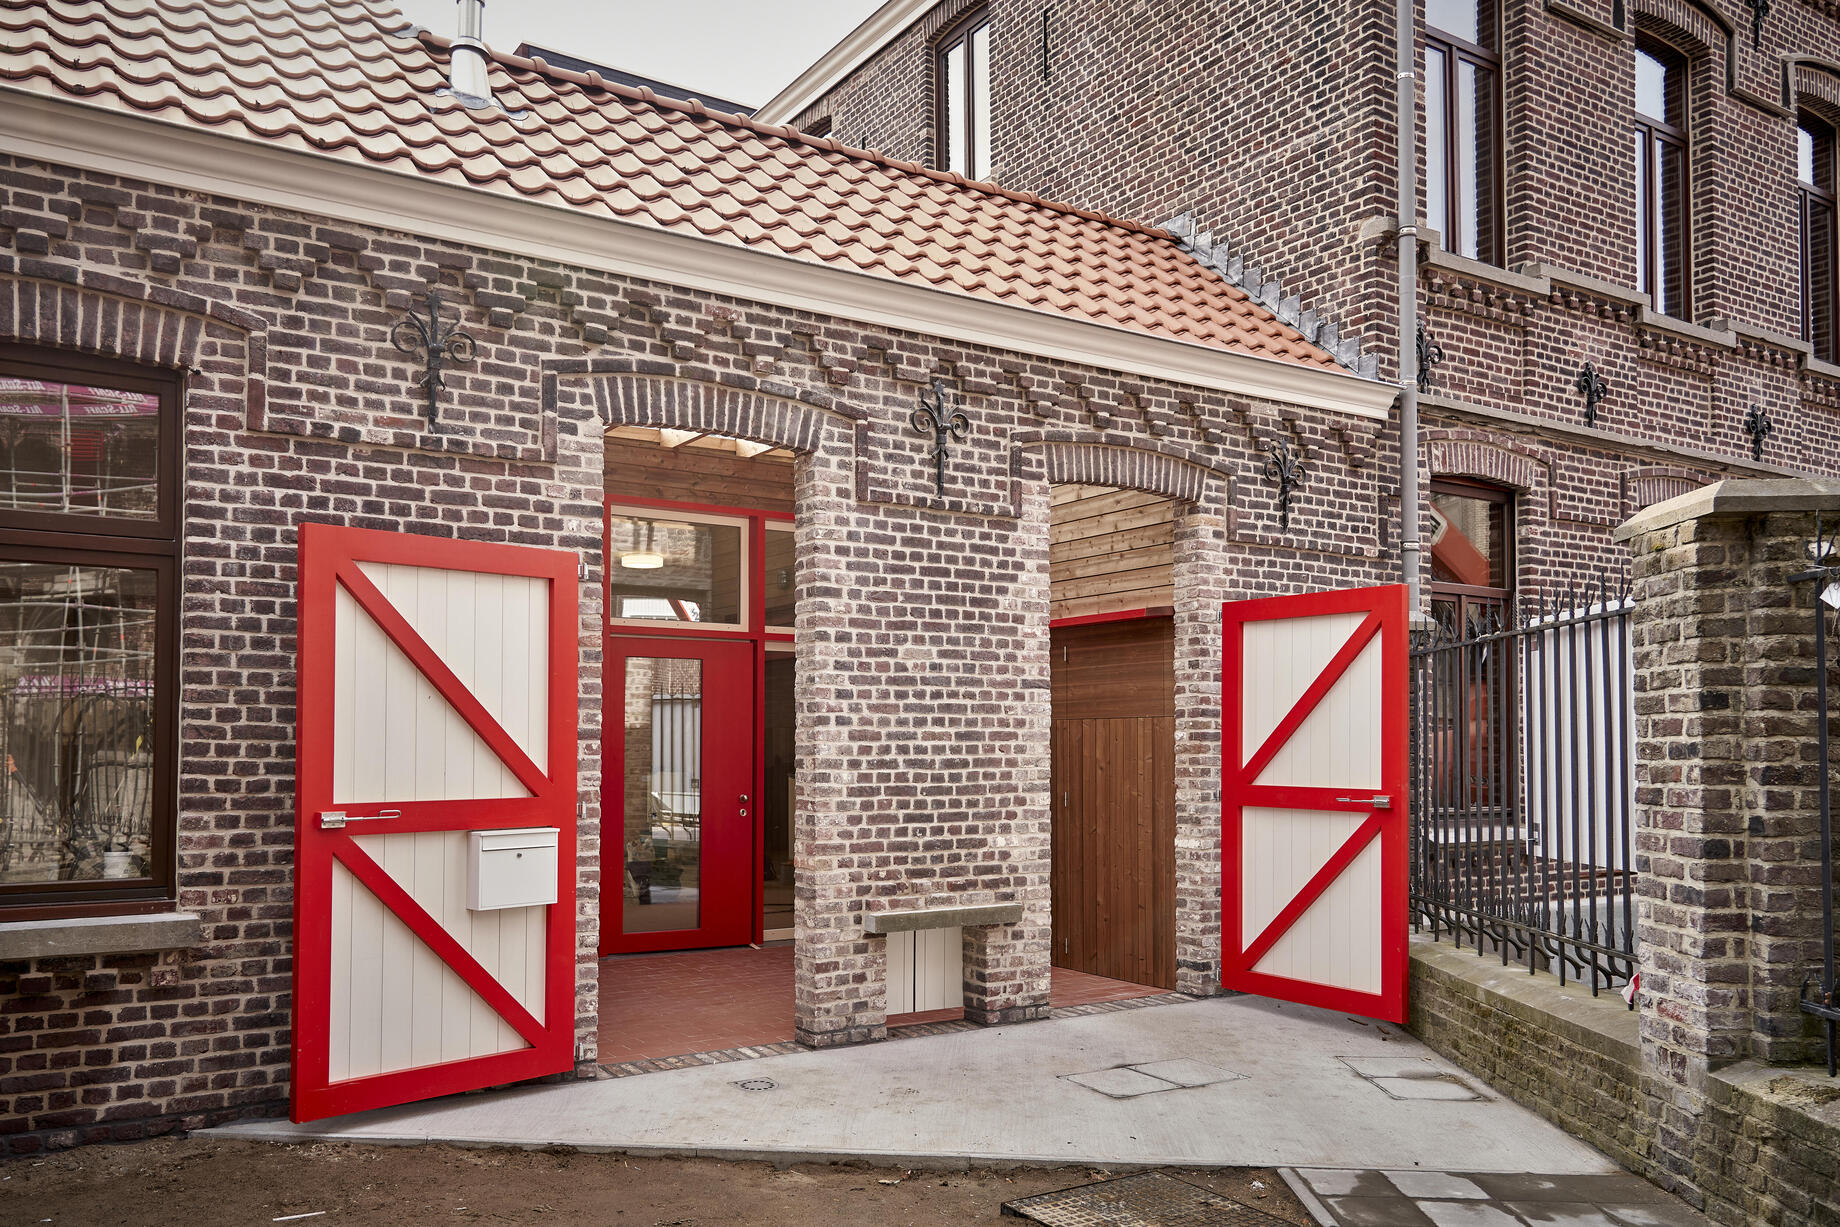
(1818, 996)
(1523, 737)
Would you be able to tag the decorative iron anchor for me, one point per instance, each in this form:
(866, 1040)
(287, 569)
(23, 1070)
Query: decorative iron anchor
(1760, 9)
(1430, 354)
(1284, 467)
(945, 422)
(1758, 426)
(1594, 388)
(440, 341)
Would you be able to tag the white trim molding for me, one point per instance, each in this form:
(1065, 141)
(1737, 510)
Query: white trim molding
(876, 31)
(68, 133)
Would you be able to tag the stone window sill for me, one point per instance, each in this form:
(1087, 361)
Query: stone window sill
(1432, 255)
(45, 939)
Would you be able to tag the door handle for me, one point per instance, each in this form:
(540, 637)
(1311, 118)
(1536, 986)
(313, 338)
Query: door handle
(332, 819)
(1378, 802)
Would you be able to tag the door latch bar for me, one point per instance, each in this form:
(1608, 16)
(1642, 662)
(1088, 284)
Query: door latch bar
(332, 819)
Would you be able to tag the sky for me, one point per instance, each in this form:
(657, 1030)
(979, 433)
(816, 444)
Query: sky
(741, 50)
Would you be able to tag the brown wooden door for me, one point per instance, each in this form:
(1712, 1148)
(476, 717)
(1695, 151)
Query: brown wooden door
(1114, 807)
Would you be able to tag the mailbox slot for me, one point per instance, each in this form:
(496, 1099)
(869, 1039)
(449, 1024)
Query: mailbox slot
(511, 868)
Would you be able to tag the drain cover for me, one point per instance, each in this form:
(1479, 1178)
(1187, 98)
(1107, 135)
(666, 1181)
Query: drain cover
(1148, 1199)
(757, 1084)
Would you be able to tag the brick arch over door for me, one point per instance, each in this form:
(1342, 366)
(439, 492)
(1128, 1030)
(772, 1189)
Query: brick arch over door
(628, 397)
(1066, 462)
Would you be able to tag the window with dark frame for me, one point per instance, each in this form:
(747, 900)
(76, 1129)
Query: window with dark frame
(89, 556)
(1463, 171)
(1814, 147)
(1661, 177)
(962, 70)
(1471, 553)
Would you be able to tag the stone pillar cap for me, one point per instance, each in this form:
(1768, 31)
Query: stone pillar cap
(1736, 497)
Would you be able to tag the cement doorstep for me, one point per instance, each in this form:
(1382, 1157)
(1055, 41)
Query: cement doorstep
(1225, 1082)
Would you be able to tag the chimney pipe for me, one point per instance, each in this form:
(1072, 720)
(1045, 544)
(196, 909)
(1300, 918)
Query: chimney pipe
(466, 61)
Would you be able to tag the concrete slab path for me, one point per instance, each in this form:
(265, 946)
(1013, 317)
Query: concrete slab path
(1237, 1081)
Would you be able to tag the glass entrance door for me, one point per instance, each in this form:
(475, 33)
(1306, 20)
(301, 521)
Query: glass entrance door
(678, 848)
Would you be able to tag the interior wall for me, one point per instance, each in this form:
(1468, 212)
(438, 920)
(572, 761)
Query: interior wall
(1110, 550)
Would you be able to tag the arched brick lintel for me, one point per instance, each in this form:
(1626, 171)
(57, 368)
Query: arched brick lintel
(1469, 453)
(1812, 84)
(627, 395)
(1124, 468)
(1646, 485)
(1691, 28)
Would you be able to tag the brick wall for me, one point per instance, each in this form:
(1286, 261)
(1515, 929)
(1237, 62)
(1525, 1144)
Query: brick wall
(923, 677)
(1274, 128)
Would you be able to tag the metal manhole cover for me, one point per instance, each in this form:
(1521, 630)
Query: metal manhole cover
(1148, 1199)
(757, 1084)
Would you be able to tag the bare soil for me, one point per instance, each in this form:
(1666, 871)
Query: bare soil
(195, 1182)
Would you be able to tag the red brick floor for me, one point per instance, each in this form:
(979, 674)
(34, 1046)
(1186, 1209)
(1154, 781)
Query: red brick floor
(666, 1005)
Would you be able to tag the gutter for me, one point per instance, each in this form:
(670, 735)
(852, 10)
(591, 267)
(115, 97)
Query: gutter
(64, 132)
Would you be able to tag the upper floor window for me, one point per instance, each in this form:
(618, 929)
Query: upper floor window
(1463, 127)
(89, 555)
(964, 96)
(1661, 178)
(1815, 178)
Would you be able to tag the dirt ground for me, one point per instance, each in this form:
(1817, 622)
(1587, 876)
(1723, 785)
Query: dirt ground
(179, 1182)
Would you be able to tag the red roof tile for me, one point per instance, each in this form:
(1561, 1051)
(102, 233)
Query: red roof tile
(353, 80)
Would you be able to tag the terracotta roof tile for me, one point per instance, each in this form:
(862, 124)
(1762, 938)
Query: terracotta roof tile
(351, 79)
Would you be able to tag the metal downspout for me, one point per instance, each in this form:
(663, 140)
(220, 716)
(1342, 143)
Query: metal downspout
(1407, 77)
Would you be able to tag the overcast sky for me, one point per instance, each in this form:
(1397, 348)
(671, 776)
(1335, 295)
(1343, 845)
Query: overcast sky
(741, 50)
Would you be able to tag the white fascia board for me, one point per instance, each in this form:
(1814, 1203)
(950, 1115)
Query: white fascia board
(845, 58)
(196, 159)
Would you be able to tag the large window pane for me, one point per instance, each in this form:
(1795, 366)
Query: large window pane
(1819, 272)
(74, 448)
(1470, 112)
(1470, 542)
(1644, 208)
(978, 66)
(1458, 17)
(663, 766)
(77, 704)
(668, 570)
(1671, 229)
(1651, 87)
(952, 101)
(1437, 143)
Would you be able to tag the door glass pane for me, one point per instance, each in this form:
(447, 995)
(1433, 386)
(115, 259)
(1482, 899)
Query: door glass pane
(71, 448)
(663, 760)
(77, 647)
(780, 748)
(1437, 168)
(1469, 545)
(781, 578)
(673, 570)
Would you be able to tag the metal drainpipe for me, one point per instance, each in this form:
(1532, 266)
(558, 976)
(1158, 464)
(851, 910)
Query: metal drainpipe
(1407, 75)
(466, 61)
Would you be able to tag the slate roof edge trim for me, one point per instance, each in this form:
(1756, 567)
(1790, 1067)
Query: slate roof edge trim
(70, 132)
(845, 57)
(594, 81)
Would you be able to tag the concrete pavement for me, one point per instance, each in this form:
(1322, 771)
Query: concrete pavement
(1238, 1081)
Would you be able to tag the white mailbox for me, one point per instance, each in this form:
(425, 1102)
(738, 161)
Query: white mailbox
(511, 868)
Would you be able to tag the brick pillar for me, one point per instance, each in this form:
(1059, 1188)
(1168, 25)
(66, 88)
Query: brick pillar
(1728, 912)
(1008, 967)
(1200, 588)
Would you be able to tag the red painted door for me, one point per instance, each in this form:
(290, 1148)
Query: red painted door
(680, 859)
(434, 888)
(1313, 793)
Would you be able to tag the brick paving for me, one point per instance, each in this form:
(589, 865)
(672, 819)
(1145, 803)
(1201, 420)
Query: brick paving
(739, 1001)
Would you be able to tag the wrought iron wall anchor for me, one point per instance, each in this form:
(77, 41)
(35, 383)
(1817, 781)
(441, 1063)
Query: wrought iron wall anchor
(1430, 354)
(1760, 9)
(1758, 426)
(1594, 388)
(1284, 467)
(440, 342)
(945, 422)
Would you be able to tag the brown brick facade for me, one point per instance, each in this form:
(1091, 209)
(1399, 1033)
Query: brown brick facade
(922, 693)
(1274, 129)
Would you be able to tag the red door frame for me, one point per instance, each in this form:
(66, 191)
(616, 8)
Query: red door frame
(1387, 613)
(753, 633)
(328, 560)
(730, 914)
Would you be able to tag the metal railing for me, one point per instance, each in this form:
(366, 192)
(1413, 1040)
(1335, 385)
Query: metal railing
(1818, 995)
(1523, 735)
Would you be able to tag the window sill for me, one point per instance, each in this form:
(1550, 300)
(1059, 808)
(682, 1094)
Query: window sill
(45, 939)
(1430, 255)
(1651, 319)
(1565, 278)
(1763, 336)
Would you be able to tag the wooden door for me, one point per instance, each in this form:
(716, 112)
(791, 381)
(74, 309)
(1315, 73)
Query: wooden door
(437, 701)
(680, 863)
(1314, 808)
(1113, 872)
